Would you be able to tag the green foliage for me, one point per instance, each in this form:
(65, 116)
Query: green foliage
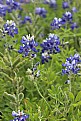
(46, 98)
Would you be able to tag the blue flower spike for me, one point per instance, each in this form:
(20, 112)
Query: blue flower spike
(19, 116)
(28, 47)
(71, 65)
(10, 28)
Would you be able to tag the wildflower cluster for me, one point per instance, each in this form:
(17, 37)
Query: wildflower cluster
(3, 10)
(28, 47)
(56, 23)
(50, 46)
(71, 65)
(40, 11)
(20, 116)
(12, 5)
(10, 28)
(9, 6)
(59, 22)
(67, 17)
(52, 3)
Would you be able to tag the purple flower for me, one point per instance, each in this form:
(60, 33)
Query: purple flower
(26, 19)
(20, 116)
(40, 11)
(56, 23)
(70, 66)
(24, 1)
(46, 2)
(3, 10)
(53, 3)
(67, 17)
(49, 46)
(45, 57)
(13, 5)
(65, 4)
(1, 1)
(10, 28)
(28, 47)
(74, 25)
(74, 10)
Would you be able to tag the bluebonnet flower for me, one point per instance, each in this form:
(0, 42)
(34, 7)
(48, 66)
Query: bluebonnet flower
(71, 65)
(56, 23)
(50, 46)
(74, 10)
(74, 25)
(28, 47)
(26, 19)
(40, 11)
(45, 57)
(67, 17)
(20, 116)
(10, 28)
(65, 4)
(53, 3)
(34, 72)
(1, 1)
(46, 2)
(24, 1)
(13, 5)
(3, 10)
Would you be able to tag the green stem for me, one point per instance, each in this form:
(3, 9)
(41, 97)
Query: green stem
(73, 35)
(70, 82)
(41, 94)
(70, 86)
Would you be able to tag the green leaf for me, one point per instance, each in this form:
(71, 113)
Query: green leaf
(78, 97)
(5, 75)
(19, 65)
(1, 55)
(10, 97)
(16, 62)
(77, 104)
(71, 96)
(62, 119)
